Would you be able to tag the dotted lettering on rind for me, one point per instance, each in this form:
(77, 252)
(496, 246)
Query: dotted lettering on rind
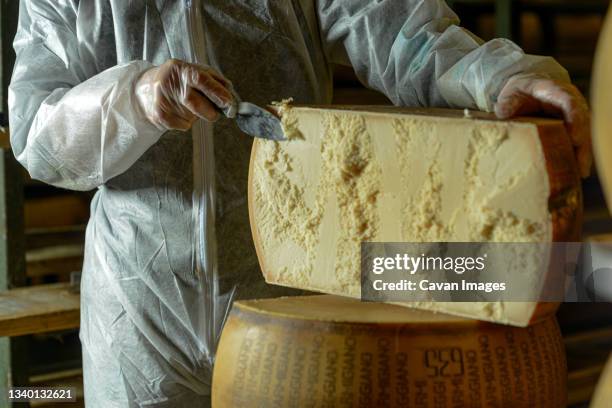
(312, 364)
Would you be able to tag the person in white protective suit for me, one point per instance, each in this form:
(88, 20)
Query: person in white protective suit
(106, 95)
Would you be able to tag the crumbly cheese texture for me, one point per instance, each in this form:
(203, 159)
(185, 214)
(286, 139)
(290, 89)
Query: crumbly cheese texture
(347, 177)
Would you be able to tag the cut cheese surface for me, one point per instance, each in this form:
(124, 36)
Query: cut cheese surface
(335, 351)
(343, 310)
(348, 176)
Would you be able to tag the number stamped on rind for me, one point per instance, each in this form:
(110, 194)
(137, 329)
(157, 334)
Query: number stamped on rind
(17, 394)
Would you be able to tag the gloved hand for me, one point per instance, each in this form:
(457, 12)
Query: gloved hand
(526, 94)
(175, 94)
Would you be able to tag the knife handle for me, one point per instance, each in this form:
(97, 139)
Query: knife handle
(229, 111)
(232, 110)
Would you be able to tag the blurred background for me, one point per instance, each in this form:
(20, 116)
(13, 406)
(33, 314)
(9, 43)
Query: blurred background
(42, 228)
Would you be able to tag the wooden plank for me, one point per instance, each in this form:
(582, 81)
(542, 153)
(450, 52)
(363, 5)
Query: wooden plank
(63, 379)
(38, 309)
(59, 268)
(54, 252)
(5, 142)
(55, 260)
(586, 355)
(57, 211)
(581, 385)
(46, 237)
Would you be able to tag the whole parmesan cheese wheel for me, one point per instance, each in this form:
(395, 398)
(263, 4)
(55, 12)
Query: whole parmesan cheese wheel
(602, 109)
(370, 174)
(328, 351)
(602, 396)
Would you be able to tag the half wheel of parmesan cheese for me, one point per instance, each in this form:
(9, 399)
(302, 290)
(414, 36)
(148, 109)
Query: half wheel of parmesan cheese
(349, 175)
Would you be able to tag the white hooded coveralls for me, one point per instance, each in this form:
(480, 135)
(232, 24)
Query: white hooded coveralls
(168, 244)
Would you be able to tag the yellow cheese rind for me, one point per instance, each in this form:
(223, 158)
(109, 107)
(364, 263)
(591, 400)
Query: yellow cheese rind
(277, 352)
(602, 397)
(395, 176)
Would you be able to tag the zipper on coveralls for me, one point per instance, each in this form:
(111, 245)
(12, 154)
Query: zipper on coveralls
(204, 191)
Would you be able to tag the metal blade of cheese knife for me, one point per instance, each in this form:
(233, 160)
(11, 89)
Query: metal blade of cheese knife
(258, 122)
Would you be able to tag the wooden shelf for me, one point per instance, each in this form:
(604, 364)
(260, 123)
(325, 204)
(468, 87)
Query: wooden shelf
(59, 260)
(38, 309)
(63, 379)
(587, 353)
(36, 238)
